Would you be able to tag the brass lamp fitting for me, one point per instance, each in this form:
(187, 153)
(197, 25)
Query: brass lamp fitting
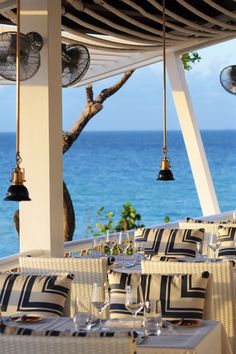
(165, 164)
(18, 176)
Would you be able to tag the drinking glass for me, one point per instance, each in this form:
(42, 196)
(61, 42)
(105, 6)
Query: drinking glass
(139, 250)
(110, 244)
(152, 317)
(234, 216)
(97, 248)
(100, 299)
(82, 318)
(134, 301)
(214, 243)
(123, 245)
(198, 249)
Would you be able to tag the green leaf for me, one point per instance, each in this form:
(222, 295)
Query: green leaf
(188, 59)
(109, 215)
(166, 219)
(99, 212)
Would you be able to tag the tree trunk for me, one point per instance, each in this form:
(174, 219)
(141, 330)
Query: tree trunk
(69, 216)
(17, 221)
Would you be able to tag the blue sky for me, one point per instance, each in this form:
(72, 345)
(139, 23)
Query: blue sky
(138, 105)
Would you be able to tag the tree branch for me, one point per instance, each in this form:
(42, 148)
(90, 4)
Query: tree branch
(92, 107)
(89, 93)
(70, 137)
(104, 94)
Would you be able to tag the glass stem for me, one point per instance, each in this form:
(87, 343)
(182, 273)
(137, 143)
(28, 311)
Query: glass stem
(134, 322)
(100, 321)
(111, 249)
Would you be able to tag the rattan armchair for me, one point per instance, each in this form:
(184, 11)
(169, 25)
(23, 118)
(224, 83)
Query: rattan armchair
(207, 226)
(223, 301)
(86, 272)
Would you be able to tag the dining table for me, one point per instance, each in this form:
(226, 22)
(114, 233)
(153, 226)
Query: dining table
(167, 348)
(208, 337)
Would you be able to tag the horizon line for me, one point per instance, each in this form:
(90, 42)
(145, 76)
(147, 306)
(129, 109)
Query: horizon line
(135, 131)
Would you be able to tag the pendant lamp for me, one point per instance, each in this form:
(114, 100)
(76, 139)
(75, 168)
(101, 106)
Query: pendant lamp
(165, 173)
(17, 191)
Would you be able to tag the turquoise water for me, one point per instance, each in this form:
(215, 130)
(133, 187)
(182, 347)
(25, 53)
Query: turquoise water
(110, 168)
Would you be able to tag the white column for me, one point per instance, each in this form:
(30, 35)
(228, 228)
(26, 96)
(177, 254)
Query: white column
(192, 137)
(41, 220)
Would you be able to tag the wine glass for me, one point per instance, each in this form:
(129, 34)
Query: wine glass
(234, 216)
(123, 245)
(134, 301)
(100, 299)
(110, 243)
(198, 250)
(214, 243)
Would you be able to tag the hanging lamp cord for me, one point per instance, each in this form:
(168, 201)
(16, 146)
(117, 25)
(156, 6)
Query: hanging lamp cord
(164, 79)
(18, 157)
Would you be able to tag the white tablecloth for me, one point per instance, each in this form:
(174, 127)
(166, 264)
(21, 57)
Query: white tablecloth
(207, 338)
(205, 346)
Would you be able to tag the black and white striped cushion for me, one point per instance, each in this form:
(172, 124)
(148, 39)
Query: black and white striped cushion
(227, 236)
(182, 296)
(43, 295)
(170, 242)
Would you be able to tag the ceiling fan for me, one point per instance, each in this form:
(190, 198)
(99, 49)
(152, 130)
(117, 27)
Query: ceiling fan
(75, 58)
(228, 79)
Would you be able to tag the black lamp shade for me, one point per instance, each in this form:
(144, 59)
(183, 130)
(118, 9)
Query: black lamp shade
(165, 175)
(17, 193)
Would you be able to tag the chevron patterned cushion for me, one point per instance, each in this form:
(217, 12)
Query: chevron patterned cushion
(227, 236)
(42, 295)
(170, 242)
(182, 296)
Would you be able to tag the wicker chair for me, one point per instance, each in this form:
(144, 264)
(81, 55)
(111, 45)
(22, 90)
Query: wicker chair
(223, 301)
(208, 227)
(11, 344)
(86, 272)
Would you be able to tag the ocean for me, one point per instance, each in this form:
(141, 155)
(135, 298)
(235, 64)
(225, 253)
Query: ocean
(107, 169)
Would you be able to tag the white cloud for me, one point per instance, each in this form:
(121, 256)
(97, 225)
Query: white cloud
(214, 59)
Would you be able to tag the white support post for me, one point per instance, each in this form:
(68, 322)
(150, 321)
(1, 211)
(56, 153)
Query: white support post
(192, 137)
(41, 220)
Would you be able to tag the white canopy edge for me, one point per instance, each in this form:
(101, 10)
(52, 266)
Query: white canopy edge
(108, 60)
(113, 62)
